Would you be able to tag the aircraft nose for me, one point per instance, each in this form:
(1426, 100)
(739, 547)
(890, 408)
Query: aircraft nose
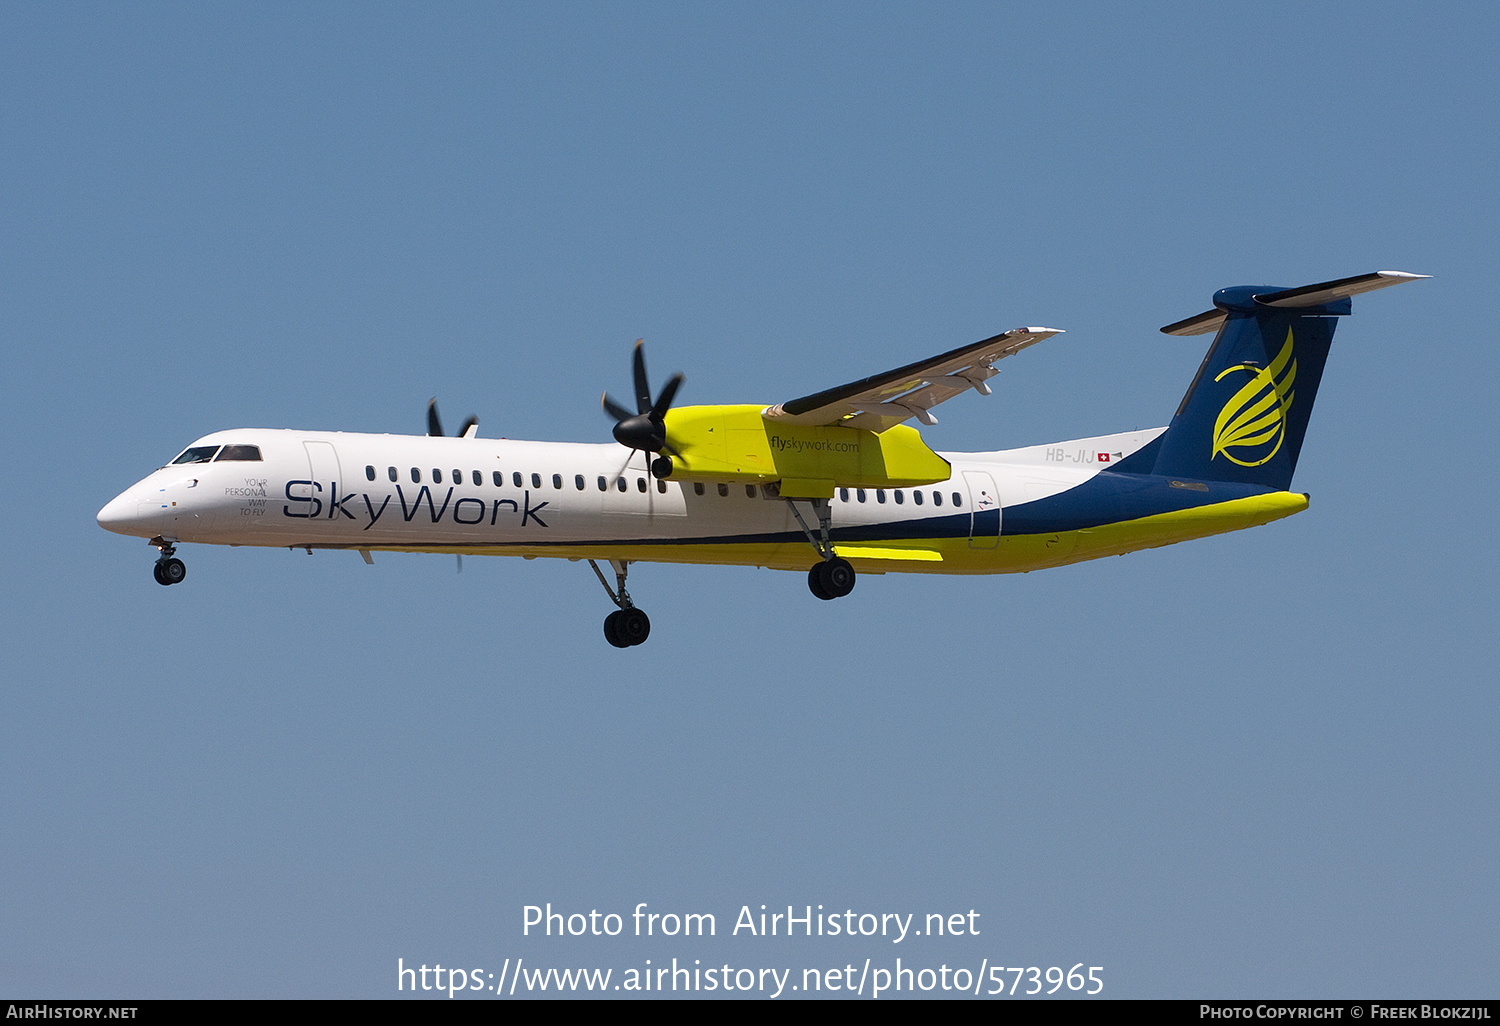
(120, 513)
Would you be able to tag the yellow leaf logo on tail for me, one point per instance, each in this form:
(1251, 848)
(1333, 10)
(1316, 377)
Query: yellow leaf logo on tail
(1255, 416)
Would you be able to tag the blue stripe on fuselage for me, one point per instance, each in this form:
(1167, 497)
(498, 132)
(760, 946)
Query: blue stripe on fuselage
(1106, 498)
(1110, 497)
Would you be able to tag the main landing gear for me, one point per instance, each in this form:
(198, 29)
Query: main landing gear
(833, 577)
(627, 625)
(168, 569)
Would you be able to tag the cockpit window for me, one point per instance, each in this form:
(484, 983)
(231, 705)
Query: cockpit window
(197, 454)
(243, 453)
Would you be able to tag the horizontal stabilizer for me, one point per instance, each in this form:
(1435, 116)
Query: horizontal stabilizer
(1343, 288)
(1321, 294)
(1198, 324)
(1307, 296)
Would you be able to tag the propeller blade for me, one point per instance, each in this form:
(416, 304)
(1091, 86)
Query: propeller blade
(614, 409)
(434, 425)
(664, 401)
(642, 386)
(645, 430)
(623, 467)
(468, 425)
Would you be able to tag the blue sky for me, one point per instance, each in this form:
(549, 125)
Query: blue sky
(1261, 764)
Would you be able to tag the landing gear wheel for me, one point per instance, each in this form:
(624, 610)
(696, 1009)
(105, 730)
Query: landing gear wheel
(626, 627)
(170, 571)
(156, 572)
(831, 579)
(815, 582)
(661, 467)
(634, 626)
(838, 577)
(612, 630)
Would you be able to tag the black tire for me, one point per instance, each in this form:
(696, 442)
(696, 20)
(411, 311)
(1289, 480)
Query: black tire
(661, 467)
(634, 626)
(815, 582)
(612, 632)
(838, 577)
(172, 571)
(156, 572)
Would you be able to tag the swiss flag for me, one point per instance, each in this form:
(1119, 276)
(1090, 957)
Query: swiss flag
(1104, 457)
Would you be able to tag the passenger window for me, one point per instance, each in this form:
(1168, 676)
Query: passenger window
(478, 478)
(723, 491)
(515, 478)
(416, 476)
(749, 491)
(458, 476)
(390, 472)
(603, 485)
(578, 481)
(197, 454)
(370, 473)
(859, 493)
(536, 480)
(437, 476)
(843, 495)
(242, 453)
(640, 484)
(661, 486)
(556, 480)
(900, 498)
(498, 478)
(937, 498)
(880, 495)
(916, 496)
(697, 487)
(620, 484)
(958, 500)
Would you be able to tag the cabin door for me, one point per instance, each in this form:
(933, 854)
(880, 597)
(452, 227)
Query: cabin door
(984, 510)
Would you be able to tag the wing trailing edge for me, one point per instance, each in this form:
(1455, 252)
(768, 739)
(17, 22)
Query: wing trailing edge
(882, 401)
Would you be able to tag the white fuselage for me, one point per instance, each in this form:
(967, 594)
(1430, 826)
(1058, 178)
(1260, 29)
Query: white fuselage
(421, 493)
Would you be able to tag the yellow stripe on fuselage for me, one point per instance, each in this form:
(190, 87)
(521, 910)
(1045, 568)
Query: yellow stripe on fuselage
(1014, 554)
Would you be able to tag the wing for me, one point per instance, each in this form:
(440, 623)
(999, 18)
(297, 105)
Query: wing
(885, 400)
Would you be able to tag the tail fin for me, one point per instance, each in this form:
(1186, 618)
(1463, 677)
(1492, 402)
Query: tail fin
(1244, 416)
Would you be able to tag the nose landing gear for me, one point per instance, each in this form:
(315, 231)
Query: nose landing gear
(168, 569)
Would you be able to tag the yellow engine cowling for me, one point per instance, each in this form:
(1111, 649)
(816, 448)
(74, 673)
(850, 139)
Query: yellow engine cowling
(735, 443)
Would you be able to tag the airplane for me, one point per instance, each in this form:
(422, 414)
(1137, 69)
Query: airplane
(835, 484)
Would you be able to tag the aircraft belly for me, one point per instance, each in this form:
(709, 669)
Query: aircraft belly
(1015, 553)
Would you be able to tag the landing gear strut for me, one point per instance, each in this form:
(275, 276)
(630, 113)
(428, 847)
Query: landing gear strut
(627, 625)
(168, 569)
(833, 577)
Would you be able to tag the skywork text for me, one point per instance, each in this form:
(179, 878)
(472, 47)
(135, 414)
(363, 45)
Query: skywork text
(314, 502)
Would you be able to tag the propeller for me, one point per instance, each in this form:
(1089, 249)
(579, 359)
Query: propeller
(645, 430)
(435, 426)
